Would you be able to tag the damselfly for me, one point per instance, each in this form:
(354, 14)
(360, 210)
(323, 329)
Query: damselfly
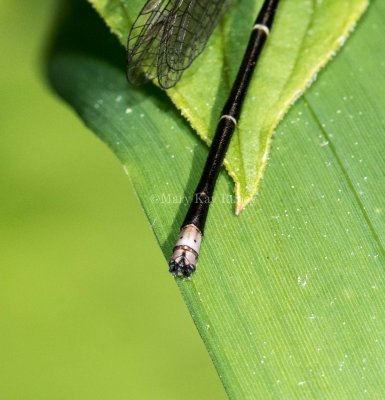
(165, 39)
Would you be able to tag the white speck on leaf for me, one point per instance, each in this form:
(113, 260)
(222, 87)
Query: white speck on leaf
(302, 282)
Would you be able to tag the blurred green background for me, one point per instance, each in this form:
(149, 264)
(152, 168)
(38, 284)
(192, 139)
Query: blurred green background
(87, 308)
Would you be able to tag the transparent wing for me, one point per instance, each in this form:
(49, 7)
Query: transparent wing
(167, 76)
(145, 40)
(189, 27)
(167, 36)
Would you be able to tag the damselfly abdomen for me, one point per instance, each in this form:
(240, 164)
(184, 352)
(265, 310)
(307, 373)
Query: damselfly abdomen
(165, 39)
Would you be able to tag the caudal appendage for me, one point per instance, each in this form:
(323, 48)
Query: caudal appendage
(186, 252)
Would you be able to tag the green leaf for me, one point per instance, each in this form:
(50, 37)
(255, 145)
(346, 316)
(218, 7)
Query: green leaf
(305, 36)
(289, 297)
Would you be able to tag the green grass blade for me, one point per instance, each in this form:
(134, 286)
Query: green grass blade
(288, 297)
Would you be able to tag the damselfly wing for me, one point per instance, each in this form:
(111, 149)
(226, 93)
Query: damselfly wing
(167, 36)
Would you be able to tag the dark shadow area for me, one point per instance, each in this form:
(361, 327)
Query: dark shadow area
(78, 28)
